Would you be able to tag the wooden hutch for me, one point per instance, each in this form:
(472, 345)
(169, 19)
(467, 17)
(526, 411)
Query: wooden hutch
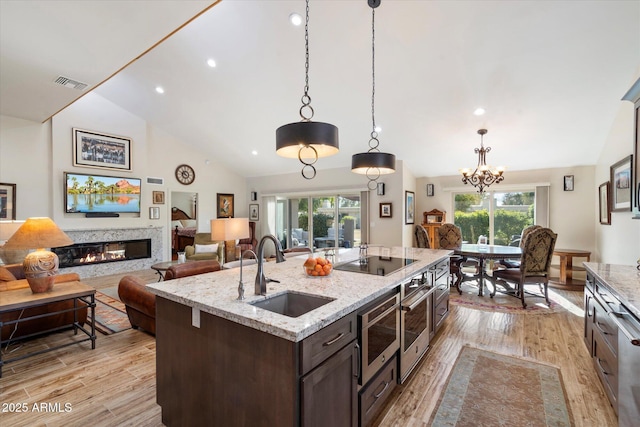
(431, 222)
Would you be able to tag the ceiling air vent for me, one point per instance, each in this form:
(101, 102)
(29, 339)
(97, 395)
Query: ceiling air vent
(72, 84)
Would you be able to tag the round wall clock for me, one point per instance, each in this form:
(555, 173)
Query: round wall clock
(185, 174)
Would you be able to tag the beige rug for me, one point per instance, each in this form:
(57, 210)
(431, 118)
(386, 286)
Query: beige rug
(490, 389)
(503, 303)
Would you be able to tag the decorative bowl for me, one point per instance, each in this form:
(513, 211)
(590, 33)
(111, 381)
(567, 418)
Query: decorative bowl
(317, 267)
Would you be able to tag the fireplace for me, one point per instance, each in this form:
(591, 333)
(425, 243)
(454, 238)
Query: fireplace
(103, 252)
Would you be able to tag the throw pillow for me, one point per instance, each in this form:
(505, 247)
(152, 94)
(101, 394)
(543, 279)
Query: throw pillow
(175, 224)
(6, 275)
(206, 249)
(191, 223)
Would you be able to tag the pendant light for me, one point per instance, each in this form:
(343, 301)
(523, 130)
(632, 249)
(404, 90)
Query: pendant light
(373, 163)
(307, 140)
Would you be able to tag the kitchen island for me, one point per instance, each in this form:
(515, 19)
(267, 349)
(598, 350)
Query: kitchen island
(221, 361)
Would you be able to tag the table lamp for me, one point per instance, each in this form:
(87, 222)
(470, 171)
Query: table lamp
(8, 229)
(229, 230)
(40, 266)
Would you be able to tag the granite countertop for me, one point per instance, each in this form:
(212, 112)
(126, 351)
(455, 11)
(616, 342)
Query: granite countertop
(216, 293)
(622, 280)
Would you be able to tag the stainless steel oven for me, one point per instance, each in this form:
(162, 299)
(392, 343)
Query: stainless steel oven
(416, 322)
(379, 334)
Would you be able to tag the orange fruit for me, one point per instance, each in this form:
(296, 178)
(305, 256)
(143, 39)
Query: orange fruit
(310, 263)
(327, 268)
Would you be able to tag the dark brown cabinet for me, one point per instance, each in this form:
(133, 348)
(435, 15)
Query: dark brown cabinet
(329, 392)
(226, 374)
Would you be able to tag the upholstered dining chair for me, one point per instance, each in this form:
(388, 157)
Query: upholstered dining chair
(537, 252)
(422, 238)
(511, 263)
(450, 237)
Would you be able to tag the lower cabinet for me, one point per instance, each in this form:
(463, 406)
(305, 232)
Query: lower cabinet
(601, 336)
(329, 392)
(373, 396)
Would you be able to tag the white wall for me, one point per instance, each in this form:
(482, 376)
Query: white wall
(618, 243)
(25, 150)
(34, 156)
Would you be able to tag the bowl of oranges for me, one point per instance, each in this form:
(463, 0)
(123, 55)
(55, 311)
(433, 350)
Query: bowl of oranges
(317, 267)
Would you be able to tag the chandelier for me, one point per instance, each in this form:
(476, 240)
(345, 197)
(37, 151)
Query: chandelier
(483, 176)
(307, 140)
(373, 163)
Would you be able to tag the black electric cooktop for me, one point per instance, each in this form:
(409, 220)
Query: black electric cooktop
(377, 265)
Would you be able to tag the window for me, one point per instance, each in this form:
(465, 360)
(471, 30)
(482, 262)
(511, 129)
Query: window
(501, 216)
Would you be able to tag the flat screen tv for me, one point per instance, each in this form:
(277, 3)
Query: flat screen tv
(95, 193)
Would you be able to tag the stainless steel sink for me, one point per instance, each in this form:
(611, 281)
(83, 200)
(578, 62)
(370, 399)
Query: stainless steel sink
(292, 304)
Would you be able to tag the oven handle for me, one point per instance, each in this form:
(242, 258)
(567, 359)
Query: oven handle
(417, 299)
(367, 322)
(625, 325)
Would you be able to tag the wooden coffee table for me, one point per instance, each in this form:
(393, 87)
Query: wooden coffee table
(19, 299)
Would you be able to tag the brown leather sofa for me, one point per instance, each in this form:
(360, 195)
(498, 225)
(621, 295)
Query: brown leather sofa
(16, 280)
(141, 303)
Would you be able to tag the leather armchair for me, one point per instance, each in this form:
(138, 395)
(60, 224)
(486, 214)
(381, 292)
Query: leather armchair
(141, 303)
(251, 243)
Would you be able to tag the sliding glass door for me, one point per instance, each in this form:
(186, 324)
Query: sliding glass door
(335, 221)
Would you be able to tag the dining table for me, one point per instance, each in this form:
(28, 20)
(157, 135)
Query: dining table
(480, 253)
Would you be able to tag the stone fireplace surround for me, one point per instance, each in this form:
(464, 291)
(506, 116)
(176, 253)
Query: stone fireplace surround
(114, 234)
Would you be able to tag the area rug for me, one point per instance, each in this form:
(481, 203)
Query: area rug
(111, 315)
(490, 389)
(503, 303)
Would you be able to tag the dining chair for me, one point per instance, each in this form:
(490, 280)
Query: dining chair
(515, 263)
(537, 252)
(422, 237)
(450, 237)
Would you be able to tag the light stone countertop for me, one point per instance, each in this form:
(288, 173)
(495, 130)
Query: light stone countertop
(622, 280)
(216, 293)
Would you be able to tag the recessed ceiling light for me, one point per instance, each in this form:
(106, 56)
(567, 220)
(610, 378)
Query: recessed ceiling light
(479, 111)
(295, 19)
(254, 152)
(211, 63)
(159, 89)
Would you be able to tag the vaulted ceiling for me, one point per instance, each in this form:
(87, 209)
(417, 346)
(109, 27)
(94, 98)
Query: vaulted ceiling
(550, 75)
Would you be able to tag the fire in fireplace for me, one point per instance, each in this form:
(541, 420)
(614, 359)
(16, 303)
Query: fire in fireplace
(99, 252)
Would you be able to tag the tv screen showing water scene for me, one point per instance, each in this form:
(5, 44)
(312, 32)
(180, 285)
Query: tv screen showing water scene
(101, 194)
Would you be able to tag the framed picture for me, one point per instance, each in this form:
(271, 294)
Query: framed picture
(568, 183)
(603, 197)
(7, 201)
(99, 150)
(430, 190)
(154, 213)
(225, 205)
(158, 197)
(621, 186)
(410, 207)
(385, 210)
(380, 189)
(254, 212)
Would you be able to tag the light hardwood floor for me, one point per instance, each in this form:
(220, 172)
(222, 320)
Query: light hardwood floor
(114, 384)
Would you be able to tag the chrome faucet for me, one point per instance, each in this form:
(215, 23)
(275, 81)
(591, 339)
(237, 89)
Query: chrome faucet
(261, 281)
(241, 284)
